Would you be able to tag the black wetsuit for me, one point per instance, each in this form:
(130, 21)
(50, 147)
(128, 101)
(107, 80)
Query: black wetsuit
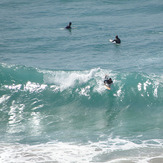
(69, 26)
(108, 81)
(117, 40)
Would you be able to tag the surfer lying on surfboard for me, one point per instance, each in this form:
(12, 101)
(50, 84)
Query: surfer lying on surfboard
(108, 81)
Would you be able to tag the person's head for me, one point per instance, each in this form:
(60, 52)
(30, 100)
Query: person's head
(70, 23)
(116, 36)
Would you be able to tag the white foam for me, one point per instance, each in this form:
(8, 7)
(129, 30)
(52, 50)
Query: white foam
(68, 79)
(34, 87)
(147, 83)
(85, 91)
(139, 86)
(90, 152)
(29, 86)
(59, 152)
(156, 85)
(4, 98)
(13, 86)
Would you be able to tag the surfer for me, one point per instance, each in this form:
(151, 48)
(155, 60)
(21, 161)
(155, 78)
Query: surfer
(69, 26)
(108, 80)
(117, 40)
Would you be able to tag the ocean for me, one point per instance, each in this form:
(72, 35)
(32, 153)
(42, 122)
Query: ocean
(54, 107)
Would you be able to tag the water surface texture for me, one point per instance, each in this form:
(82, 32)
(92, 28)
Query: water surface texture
(53, 104)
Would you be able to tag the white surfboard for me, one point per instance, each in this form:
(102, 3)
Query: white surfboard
(112, 41)
(107, 86)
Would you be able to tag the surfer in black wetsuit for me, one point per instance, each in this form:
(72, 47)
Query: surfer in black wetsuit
(117, 40)
(108, 80)
(69, 26)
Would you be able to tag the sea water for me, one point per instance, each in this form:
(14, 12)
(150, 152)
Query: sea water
(53, 104)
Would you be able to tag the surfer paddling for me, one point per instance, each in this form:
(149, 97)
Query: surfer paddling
(108, 81)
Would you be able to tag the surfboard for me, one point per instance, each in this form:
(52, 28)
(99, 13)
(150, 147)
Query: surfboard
(112, 41)
(107, 86)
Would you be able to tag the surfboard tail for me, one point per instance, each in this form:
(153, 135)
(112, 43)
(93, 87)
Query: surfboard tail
(107, 86)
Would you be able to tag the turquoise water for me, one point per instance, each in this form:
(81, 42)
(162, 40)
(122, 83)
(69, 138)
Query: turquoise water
(53, 104)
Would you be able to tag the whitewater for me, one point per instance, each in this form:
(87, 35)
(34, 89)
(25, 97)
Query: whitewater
(54, 106)
(79, 119)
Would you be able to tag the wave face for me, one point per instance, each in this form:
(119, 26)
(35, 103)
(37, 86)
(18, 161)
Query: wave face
(65, 111)
(49, 102)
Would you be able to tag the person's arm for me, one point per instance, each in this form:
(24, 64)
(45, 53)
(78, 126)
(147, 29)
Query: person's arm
(115, 40)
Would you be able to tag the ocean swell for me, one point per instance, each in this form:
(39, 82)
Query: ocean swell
(48, 102)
